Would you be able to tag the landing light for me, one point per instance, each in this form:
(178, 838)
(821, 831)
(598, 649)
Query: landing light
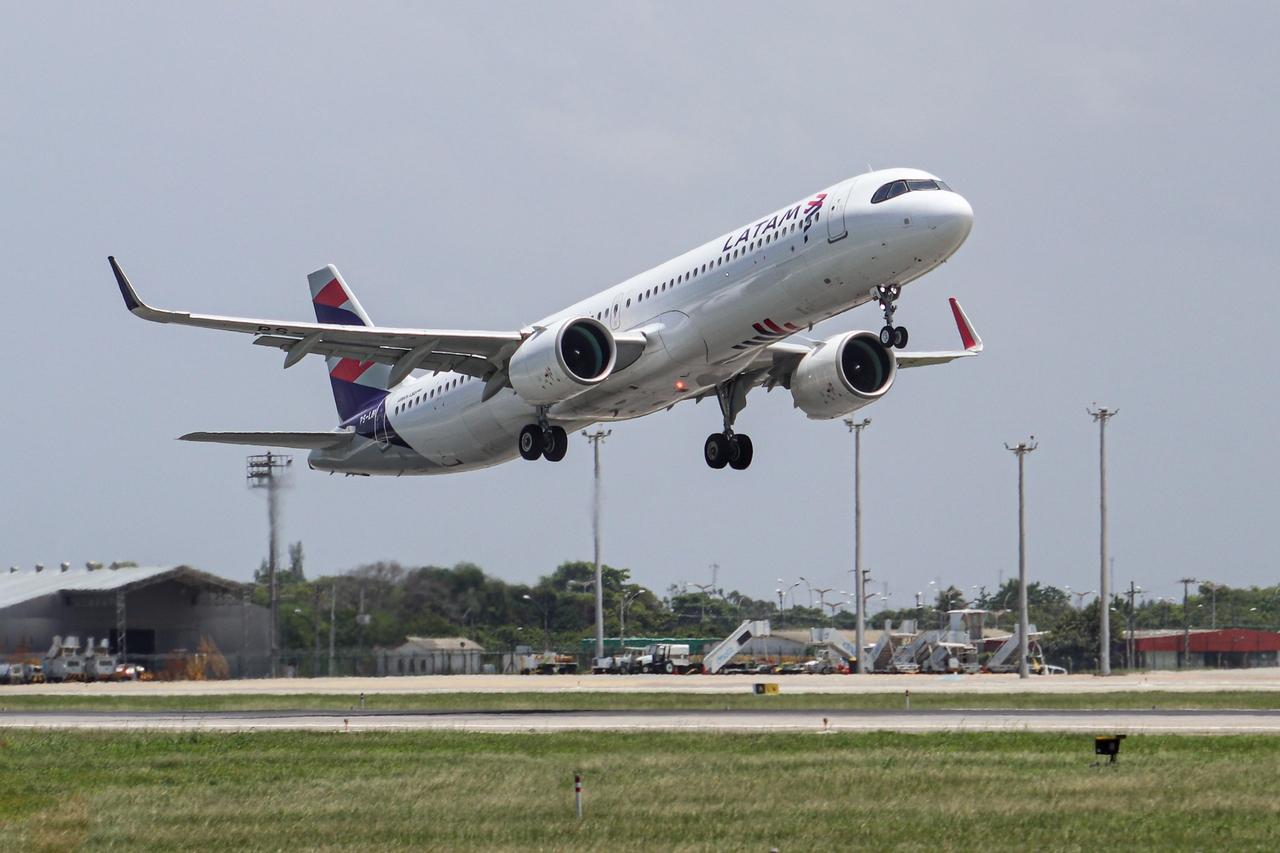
(681, 386)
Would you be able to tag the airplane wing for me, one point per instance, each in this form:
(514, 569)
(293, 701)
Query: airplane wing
(775, 364)
(968, 338)
(296, 440)
(476, 353)
(481, 354)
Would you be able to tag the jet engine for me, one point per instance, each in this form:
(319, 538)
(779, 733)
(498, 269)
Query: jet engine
(562, 360)
(842, 375)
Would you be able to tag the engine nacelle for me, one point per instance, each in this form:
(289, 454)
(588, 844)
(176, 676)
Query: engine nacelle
(562, 361)
(844, 374)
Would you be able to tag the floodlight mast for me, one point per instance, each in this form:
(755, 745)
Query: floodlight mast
(1100, 416)
(265, 472)
(1021, 450)
(597, 438)
(859, 579)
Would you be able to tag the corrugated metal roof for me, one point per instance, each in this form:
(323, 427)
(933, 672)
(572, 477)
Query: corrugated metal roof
(26, 584)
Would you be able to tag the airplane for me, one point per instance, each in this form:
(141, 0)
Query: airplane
(717, 321)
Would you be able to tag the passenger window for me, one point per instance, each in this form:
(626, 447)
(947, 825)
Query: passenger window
(628, 303)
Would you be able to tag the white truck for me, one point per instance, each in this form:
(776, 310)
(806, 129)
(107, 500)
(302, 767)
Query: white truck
(664, 657)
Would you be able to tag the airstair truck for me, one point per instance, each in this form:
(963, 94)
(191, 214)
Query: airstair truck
(715, 660)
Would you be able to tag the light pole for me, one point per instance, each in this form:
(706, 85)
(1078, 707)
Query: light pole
(702, 616)
(597, 438)
(822, 598)
(810, 588)
(546, 632)
(1100, 416)
(1021, 450)
(859, 580)
(622, 615)
(1080, 597)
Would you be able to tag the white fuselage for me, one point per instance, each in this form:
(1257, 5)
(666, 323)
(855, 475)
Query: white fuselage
(703, 313)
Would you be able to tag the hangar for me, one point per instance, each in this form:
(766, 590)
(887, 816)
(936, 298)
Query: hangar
(430, 656)
(150, 615)
(1222, 648)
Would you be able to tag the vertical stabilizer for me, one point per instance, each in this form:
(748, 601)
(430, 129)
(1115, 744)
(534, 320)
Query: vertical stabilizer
(357, 385)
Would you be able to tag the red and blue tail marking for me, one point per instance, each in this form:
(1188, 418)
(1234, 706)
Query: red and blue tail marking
(357, 385)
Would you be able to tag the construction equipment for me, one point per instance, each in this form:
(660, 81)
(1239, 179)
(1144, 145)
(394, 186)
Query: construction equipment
(731, 646)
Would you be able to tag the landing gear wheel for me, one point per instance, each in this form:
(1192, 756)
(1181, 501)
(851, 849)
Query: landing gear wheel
(531, 443)
(900, 337)
(555, 444)
(886, 336)
(740, 452)
(716, 450)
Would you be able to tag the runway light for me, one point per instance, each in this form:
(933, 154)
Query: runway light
(681, 386)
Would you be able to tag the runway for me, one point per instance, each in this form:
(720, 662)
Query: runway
(817, 722)
(1265, 679)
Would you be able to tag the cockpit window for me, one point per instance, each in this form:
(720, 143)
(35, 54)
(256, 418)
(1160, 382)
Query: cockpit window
(897, 188)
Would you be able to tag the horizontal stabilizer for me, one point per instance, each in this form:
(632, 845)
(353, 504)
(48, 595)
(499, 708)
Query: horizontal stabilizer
(296, 440)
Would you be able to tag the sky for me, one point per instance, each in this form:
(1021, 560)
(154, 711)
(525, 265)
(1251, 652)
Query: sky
(481, 168)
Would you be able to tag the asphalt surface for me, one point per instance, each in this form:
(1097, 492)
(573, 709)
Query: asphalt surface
(1091, 722)
(1186, 681)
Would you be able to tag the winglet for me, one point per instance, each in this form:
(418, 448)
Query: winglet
(131, 300)
(972, 342)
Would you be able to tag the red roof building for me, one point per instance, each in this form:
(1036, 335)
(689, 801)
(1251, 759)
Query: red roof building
(1225, 648)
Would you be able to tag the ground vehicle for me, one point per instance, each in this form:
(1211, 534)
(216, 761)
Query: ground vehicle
(548, 663)
(621, 663)
(664, 657)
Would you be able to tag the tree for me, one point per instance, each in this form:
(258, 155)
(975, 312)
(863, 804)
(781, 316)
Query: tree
(295, 562)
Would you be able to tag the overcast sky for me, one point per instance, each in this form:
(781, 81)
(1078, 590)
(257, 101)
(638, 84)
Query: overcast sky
(480, 168)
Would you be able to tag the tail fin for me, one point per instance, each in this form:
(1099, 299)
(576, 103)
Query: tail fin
(357, 385)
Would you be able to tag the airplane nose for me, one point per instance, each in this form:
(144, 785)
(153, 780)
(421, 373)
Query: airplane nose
(950, 217)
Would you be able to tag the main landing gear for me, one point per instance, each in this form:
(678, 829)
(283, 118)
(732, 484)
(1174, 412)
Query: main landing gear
(541, 440)
(729, 448)
(887, 296)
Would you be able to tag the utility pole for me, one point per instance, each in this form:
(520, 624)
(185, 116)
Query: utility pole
(597, 438)
(859, 579)
(333, 628)
(315, 617)
(1130, 647)
(1186, 622)
(1021, 450)
(1100, 416)
(265, 472)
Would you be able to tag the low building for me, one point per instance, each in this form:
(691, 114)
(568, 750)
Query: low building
(431, 656)
(1222, 648)
(155, 616)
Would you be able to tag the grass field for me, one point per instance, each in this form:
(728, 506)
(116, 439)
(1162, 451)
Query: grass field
(452, 791)
(568, 701)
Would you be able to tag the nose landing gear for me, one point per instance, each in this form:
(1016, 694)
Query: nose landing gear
(887, 296)
(541, 440)
(729, 448)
